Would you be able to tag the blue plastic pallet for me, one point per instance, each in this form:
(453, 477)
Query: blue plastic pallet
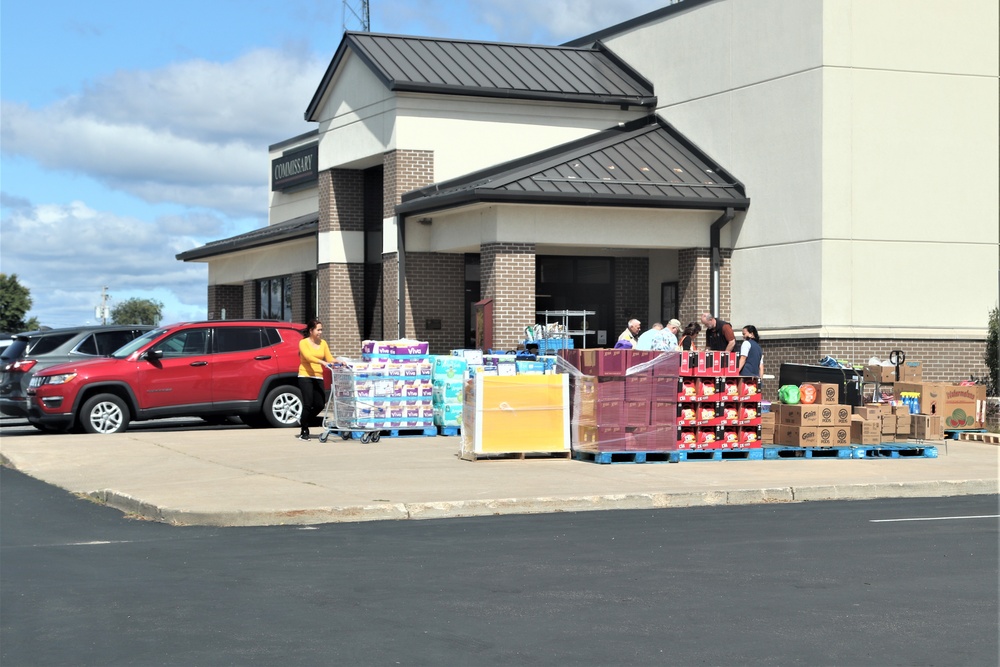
(622, 457)
(400, 432)
(895, 452)
(756, 454)
(449, 430)
(773, 453)
(954, 433)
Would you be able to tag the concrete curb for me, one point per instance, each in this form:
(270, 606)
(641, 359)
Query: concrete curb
(542, 505)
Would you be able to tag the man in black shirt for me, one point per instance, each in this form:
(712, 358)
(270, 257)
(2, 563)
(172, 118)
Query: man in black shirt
(719, 333)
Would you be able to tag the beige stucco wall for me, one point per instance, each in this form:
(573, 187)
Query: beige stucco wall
(274, 260)
(866, 133)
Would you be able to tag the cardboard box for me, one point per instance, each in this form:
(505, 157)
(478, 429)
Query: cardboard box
(964, 406)
(931, 395)
(903, 426)
(834, 436)
(926, 427)
(880, 374)
(868, 412)
(901, 410)
(834, 415)
(911, 371)
(799, 415)
(888, 424)
(798, 436)
(865, 432)
(826, 393)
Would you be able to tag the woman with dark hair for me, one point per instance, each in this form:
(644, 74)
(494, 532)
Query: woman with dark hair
(687, 341)
(751, 362)
(314, 353)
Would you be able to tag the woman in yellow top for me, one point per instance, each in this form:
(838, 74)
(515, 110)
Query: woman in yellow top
(314, 354)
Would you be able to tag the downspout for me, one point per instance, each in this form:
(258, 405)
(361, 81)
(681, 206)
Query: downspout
(401, 264)
(715, 242)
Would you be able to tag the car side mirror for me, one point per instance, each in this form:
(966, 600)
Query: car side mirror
(150, 355)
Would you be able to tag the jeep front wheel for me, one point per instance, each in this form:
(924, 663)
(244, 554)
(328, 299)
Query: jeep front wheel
(283, 407)
(104, 413)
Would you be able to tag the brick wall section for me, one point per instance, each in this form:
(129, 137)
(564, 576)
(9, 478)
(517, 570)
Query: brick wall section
(435, 289)
(341, 200)
(404, 171)
(299, 296)
(342, 311)
(631, 293)
(942, 361)
(251, 299)
(694, 271)
(508, 277)
(228, 297)
(390, 296)
(694, 283)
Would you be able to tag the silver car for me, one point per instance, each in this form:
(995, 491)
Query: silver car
(32, 351)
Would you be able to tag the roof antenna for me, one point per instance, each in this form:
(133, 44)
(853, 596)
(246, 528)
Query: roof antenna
(358, 10)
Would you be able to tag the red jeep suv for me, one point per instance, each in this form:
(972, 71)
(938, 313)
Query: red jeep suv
(211, 369)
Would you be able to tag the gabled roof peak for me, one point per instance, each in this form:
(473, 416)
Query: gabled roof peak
(433, 65)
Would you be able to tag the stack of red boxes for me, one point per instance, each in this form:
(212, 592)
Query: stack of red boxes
(626, 400)
(716, 408)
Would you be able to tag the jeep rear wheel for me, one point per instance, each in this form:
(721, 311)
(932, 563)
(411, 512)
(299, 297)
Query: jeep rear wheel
(104, 413)
(283, 407)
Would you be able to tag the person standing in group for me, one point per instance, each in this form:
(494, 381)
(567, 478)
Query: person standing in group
(314, 354)
(751, 361)
(718, 334)
(648, 338)
(687, 341)
(667, 340)
(631, 333)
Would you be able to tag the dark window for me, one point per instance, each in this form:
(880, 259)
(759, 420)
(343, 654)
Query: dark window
(669, 308)
(593, 270)
(45, 344)
(189, 342)
(555, 270)
(237, 339)
(271, 336)
(109, 341)
(276, 299)
(87, 346)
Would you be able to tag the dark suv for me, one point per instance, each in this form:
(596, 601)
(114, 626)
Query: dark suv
(34, 351)
(217, 368)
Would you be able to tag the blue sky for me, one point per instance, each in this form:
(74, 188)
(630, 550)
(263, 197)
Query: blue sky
(132, 131)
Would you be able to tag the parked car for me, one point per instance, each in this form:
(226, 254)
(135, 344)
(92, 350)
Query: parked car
(211, 369)
(34, 351)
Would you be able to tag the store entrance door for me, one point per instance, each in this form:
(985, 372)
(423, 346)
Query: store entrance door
(578, 283)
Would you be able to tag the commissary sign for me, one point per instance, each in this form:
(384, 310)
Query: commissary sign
(294, 168)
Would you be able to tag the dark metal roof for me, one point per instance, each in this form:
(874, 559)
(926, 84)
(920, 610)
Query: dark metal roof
(306, 225)
(491, 69)
(646, 163)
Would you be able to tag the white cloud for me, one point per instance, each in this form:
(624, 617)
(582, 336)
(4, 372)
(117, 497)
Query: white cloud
(193, 133)
(557, 21)
(66, 254)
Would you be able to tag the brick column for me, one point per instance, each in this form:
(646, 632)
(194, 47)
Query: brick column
(225, 297)
(507, 273)
(403, 170)
(341, 285)
(631, 292)
(251, 299)
(694, 283)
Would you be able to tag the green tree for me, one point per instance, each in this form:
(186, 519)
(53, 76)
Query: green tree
(992, 356)
(137, 311)
(15, 302)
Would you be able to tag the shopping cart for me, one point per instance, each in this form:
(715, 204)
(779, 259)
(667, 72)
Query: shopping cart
(347, 411)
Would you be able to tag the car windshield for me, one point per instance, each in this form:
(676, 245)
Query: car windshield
(136, 343)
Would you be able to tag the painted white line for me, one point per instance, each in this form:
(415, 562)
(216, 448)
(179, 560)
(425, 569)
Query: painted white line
(938, 518)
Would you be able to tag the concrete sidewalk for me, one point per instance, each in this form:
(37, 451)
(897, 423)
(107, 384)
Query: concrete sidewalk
(251, 477)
